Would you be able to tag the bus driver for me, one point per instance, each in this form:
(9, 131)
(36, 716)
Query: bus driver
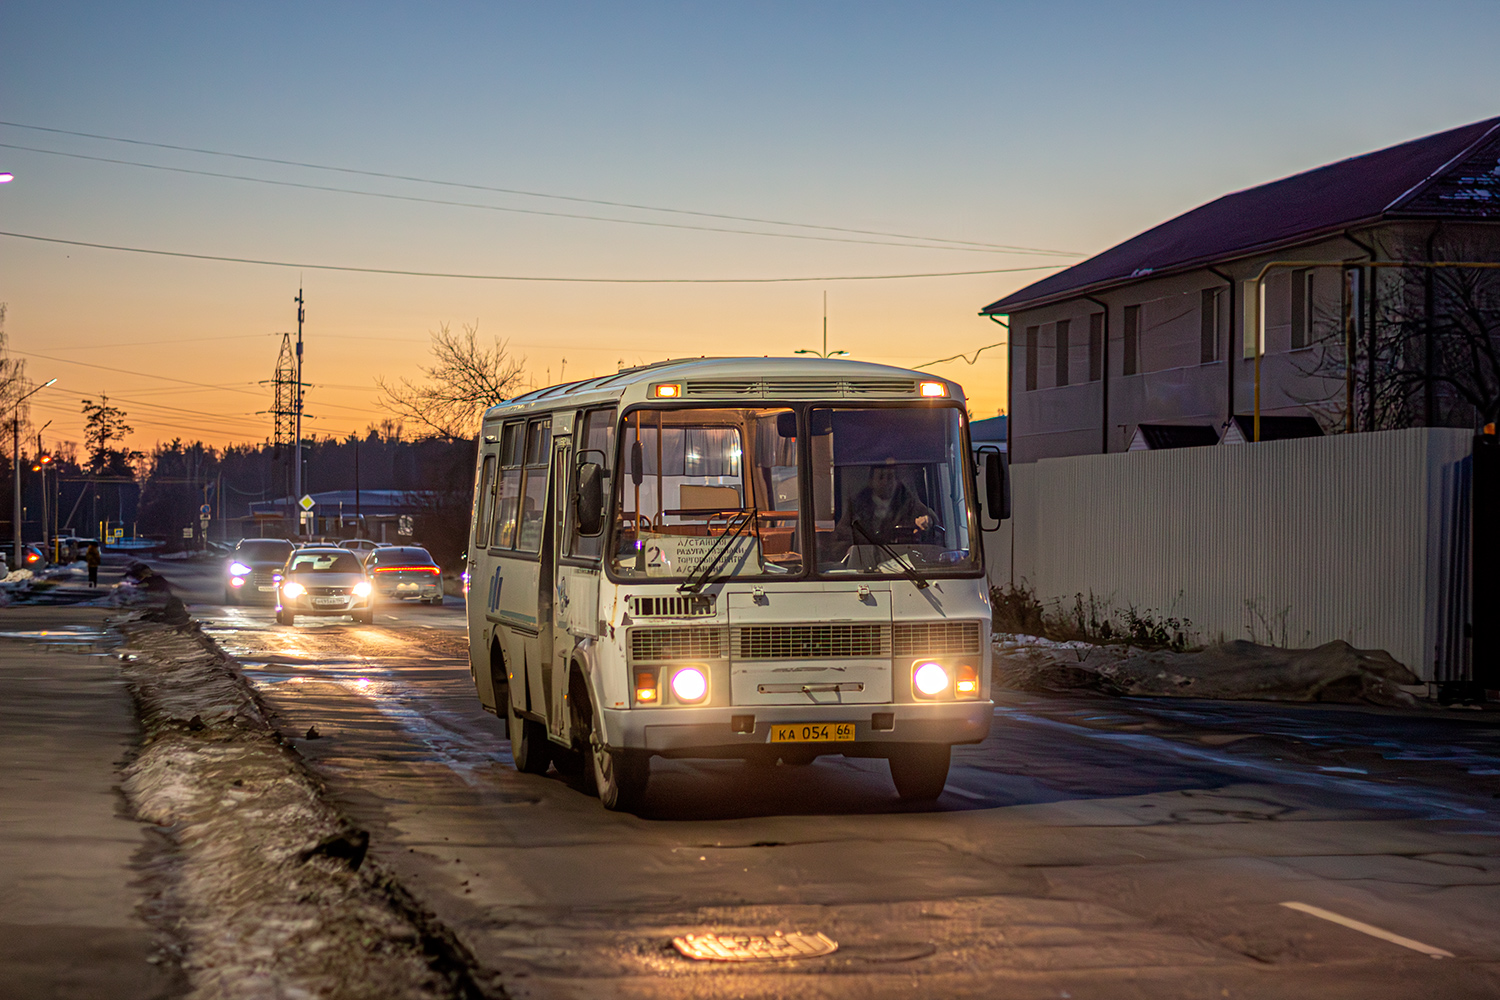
(887, 512)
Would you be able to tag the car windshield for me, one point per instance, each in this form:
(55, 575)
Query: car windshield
(707, 493)
(890, 491)
(263, 550)
(404, 556)
(324, 562)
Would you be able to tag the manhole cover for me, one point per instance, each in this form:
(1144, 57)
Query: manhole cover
(754, 947)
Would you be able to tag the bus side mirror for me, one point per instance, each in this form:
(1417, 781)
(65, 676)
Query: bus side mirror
(996, 475)
(590, 499)
(997, 486)
(637, 463)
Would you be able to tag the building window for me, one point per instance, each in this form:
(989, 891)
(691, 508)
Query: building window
(1302, 309)
(1208, 351)
(1131, 360)
(1033, 335)
(1096, 346)
(1062, 351)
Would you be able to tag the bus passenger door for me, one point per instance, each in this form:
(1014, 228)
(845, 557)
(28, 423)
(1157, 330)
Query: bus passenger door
(557, 642)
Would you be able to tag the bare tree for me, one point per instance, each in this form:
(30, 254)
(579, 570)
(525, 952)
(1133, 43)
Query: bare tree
(1432, 354)
(466, 379)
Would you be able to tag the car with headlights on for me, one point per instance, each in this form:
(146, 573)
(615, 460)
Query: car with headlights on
(250, 572)
(324, 580)
(405, 572)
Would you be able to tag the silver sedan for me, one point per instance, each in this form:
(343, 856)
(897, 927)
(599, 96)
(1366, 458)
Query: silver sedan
(324, 581)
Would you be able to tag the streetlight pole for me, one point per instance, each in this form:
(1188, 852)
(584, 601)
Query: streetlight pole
(297, 462)
(15, 468)
(825, 352)
(42, 461)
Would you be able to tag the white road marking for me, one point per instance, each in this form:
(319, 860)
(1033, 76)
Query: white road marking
(1370, 929)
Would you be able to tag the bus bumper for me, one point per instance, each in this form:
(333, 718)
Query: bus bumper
(735, 732)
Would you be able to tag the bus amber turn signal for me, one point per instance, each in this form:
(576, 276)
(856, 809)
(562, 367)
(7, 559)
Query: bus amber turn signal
(645, 687)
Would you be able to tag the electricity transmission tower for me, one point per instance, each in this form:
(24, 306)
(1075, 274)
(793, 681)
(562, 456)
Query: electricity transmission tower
(284, 411)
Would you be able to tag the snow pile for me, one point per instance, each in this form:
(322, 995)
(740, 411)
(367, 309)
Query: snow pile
(271, 890)
(1332, 672)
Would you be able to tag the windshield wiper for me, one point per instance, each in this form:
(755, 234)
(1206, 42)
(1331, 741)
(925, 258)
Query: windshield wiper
(906, 568)
(710, 559)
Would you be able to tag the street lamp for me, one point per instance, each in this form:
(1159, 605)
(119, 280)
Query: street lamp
(15, 466)
(825, 352)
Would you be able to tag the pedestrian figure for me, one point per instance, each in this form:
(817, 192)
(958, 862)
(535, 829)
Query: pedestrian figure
(92, 558)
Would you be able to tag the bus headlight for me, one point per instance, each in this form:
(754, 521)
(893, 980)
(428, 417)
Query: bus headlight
(689, 685)
(292, 588)
(239, 569)
(929, 678)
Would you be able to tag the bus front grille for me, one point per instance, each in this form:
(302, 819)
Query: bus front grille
(935, 638)
(700, 643)
(811, 642)
(683, 606)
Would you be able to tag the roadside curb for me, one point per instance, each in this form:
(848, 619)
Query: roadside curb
(268, 888)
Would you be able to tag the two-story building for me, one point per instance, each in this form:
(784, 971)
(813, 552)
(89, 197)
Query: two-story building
(1152, 343)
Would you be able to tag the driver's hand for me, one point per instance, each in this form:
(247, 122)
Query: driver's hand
(924, 522)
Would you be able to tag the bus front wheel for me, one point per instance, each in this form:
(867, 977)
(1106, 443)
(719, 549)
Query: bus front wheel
(620, 777)
(920, 772)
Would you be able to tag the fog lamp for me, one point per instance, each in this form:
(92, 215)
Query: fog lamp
(929, 678)
(645, 687)
(362, 588)
(967, 684)
(292, 588)
(237, 581)
(689, 685)
(239, 569)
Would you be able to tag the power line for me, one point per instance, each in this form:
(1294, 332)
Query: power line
(531, 194)
(514, 277)
(525, 211)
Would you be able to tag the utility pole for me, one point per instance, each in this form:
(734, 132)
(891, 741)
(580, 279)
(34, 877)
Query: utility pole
(297, 465)
(359, 524)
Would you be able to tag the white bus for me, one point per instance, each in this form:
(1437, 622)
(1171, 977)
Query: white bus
(756, 558)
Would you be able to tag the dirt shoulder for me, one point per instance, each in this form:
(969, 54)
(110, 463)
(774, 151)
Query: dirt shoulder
(270, 889)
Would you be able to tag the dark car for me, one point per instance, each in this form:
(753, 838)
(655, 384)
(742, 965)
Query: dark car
(324, 580)
(250, 574)
(405, 572)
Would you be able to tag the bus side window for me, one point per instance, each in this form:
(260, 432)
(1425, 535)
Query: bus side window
(484, 494)
(598, 438)
(534, 487)
(508, 486)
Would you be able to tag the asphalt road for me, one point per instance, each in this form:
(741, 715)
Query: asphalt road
(1089, 848)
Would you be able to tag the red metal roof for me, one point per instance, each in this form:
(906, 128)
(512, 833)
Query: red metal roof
(1449, 174)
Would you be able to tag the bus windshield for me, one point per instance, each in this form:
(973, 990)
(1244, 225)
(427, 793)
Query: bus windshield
(890, 491)
(707, 493)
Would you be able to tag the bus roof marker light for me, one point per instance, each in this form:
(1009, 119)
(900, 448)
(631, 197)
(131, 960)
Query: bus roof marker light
(667, 390)
(933, 390)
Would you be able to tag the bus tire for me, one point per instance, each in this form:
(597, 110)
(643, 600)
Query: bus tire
(920, 771)
(283, 618)
(528, 742)
(620, 778)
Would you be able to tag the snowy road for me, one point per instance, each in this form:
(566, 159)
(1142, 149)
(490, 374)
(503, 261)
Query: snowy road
(1090, 847)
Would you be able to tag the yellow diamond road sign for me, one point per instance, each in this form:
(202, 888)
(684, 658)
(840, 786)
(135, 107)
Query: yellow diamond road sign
(307, 502)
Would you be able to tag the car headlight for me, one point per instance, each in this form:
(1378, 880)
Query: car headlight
(292, 588)
(239, 569)
(929, 678)
(362, 588)
(689, 685)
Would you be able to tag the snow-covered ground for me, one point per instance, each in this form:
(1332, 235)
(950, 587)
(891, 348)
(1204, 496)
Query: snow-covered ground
(1332, 672)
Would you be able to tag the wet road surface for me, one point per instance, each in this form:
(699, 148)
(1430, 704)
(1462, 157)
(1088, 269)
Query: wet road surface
(1090, 847)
